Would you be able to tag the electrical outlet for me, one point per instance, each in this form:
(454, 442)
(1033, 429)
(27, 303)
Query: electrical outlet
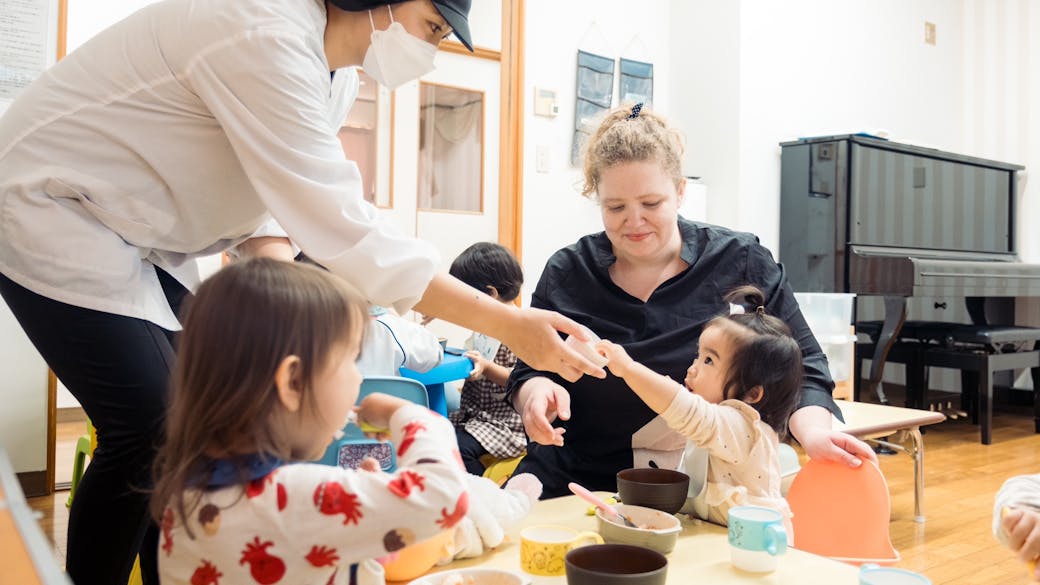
(929, 33)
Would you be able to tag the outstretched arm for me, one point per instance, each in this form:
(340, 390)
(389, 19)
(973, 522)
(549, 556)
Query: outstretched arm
(530, 333)
(655, 390)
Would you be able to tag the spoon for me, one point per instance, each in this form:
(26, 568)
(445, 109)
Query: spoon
(594, 499)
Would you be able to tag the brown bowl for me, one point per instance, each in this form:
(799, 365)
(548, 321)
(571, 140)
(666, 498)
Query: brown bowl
(660, 489)
(615, 564)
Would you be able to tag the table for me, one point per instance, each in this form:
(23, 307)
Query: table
(26, 557)
(701, 555)
(870, 421)
(452, 367)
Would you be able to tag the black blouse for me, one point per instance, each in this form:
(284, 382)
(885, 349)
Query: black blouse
(661, 333)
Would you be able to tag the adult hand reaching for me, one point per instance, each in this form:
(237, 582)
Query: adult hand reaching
(831, 445)
(534, 339)
(532, 334)
(540, 401)
(811, 425)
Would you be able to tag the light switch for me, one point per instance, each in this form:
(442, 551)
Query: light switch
(542, 155)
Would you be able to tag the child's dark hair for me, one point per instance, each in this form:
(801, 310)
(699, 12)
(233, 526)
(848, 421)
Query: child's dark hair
(485, 265)
(769, 358)
(241, 324)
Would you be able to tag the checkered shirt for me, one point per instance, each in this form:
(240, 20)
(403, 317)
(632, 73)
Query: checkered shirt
(484, 413)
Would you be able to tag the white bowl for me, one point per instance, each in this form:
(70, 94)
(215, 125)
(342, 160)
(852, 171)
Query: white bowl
(474, 576)
(660, 532)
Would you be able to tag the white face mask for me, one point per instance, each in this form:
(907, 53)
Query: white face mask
(395, 56)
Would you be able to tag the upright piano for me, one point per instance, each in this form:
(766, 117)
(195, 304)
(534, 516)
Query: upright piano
(870, 216)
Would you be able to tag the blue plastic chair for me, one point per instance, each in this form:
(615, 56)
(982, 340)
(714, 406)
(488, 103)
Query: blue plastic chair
(349, 451)
(453, 366)
(404, 388)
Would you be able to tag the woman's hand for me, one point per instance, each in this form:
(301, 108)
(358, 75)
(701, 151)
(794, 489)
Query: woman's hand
(620, 363)
(532, 334)
(541, 401)
(811, 425)
(1022, 527)
(533, 338)
(479, 363)
(831, 445)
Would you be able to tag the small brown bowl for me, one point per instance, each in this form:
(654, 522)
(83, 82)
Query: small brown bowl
(660, 489)
(615, 564)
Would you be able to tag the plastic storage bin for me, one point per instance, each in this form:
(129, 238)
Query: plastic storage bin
(829, 316)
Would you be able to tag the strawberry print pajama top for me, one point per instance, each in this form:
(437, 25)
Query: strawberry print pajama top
(307, 523)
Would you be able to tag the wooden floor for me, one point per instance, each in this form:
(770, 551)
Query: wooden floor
(954, 546)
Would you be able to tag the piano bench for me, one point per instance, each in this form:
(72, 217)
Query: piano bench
(978, 351)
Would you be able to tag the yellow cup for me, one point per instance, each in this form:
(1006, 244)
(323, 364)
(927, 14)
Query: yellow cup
(543, 547)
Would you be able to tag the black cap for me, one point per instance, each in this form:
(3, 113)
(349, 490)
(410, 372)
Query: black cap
(456, 12)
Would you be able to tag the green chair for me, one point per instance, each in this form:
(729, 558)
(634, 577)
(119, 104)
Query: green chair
(84, 448)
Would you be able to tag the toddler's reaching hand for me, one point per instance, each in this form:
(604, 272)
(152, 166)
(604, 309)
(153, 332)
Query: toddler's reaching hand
(619, 361)
(479, 363)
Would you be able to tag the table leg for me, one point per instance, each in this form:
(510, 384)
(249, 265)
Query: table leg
(1035, 372)
(438, 403)
(917, 452)
(895, 316)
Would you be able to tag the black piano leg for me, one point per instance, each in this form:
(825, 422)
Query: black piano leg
(916, 380)
(985, 408)
(1035, 372)
(895, 316)
(970, 395)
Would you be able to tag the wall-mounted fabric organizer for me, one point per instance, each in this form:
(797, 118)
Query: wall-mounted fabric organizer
(595, 88)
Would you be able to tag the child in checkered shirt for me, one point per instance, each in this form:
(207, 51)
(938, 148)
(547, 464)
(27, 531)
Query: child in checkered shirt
(485, 424)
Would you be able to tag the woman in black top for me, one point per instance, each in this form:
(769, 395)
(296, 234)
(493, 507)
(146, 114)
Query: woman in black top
(649, 282)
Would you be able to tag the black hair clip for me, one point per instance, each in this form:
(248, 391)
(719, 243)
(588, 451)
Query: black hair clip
(635, 111)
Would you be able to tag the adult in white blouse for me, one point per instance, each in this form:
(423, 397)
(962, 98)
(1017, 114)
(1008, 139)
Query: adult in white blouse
(177, 133)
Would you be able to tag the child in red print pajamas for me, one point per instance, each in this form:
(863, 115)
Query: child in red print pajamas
(264, 378)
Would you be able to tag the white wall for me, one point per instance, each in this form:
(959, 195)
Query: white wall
(23, 416)
(555, 214)
(485, 25)
(704, 94)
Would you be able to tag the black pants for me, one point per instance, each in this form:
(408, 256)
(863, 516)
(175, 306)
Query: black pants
(118, 369)
(471, 451)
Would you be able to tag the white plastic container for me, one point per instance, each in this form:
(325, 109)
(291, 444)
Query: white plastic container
(588, 348)
(829, 316)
